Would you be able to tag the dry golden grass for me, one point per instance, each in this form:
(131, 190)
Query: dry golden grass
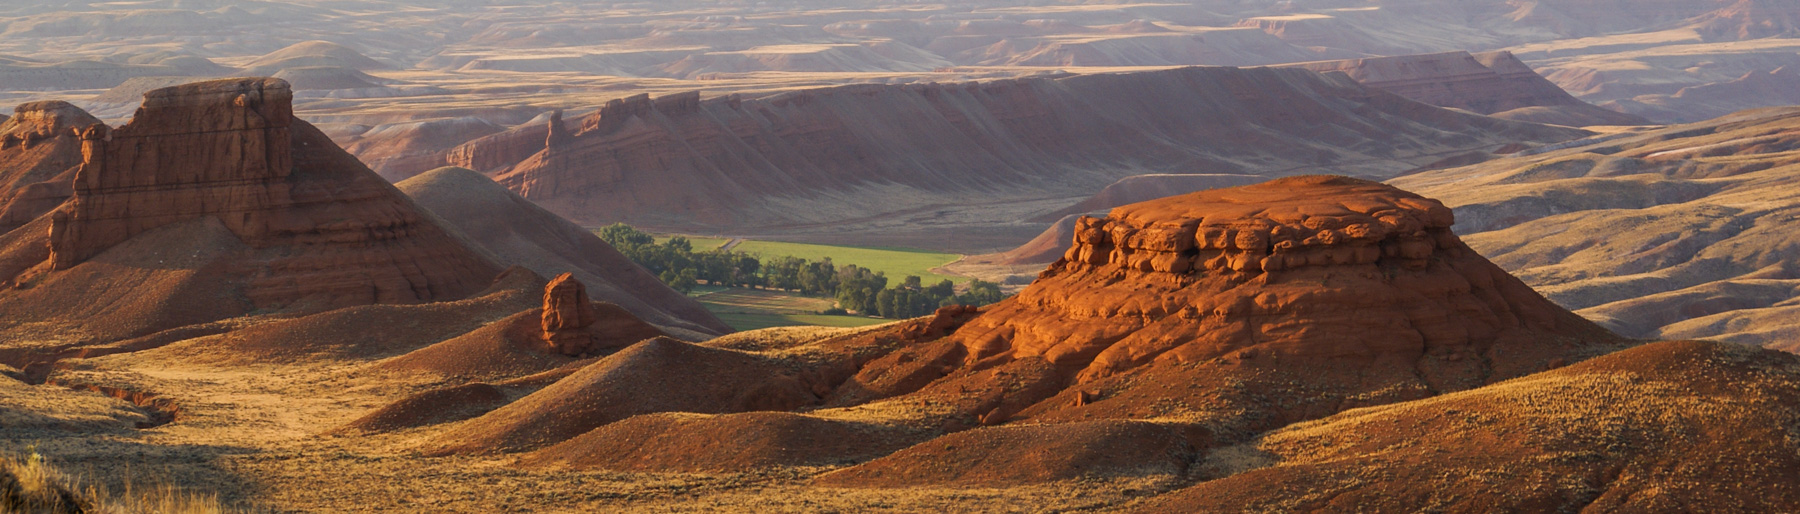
(29, 483)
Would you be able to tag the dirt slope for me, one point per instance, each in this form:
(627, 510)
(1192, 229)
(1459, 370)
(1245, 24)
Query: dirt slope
(518, 232)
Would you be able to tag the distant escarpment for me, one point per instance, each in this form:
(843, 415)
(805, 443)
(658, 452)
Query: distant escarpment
(854, 153)
(1493, 83)
(215, 202)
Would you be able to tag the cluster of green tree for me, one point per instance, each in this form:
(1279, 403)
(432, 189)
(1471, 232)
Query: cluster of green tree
(857, 289)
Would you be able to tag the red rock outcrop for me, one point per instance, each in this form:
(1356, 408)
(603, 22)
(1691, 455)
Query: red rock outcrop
(214, 202)
(39, 151)
(226, 149)
(1488, 83)
(567, 311)
(1320, 293)
(816, 156)
(497, 151)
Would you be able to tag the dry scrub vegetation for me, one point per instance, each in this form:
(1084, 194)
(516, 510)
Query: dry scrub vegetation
(30, 484)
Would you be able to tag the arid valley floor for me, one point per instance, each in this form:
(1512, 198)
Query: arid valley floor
(872, 256)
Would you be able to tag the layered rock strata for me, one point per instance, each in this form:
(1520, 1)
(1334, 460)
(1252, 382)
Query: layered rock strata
(321, 225)
(1316, 293)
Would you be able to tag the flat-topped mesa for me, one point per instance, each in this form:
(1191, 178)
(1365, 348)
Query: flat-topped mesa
(617, 111)
(318, 224)
(1269, 228)
(1309, 267)
(567, 311)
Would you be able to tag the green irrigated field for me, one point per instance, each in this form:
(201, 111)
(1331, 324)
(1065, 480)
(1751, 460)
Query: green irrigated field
(750, 309)
(700, 244)
(897, 263)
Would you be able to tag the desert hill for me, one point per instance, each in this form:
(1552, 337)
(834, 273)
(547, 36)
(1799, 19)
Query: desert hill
(1780, 86)
(1679, 233)
(1638, 430)
(853, 158)
(1246, 346)
(214, 202)
(398, 151)
(518, 232)
(310, 54)
(1492, 83)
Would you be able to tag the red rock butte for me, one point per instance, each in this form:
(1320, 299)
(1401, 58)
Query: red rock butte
(212, 203)
(1350, 291)
(226, 149)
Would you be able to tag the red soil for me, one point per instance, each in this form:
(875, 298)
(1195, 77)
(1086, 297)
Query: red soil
(698, 443)
(1031, 454)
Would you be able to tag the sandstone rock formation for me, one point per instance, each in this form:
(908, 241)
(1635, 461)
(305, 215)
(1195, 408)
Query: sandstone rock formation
(1494, 83)
(39, 151)
(1362, 284)
(496, 151)
(225, 149)
(567, 311)
(265, 212)
(816, 156)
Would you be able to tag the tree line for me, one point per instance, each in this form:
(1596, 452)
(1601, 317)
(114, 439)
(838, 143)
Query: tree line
(856, 289)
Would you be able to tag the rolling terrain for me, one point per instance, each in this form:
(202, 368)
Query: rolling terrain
(1276, 345)
(1684, 232)
(1310, 255)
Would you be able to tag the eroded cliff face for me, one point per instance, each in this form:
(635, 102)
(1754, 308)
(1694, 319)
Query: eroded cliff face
(845, 153)
(232, 150)
(214, 201)
(39, 152)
